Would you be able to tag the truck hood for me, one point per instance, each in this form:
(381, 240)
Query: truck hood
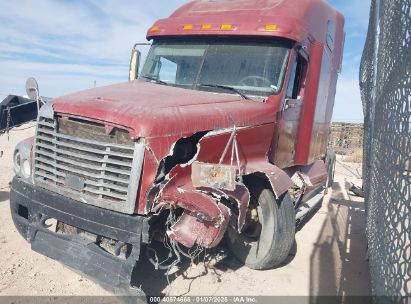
(152, 110)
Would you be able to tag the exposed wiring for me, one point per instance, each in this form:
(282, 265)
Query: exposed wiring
(168, 244)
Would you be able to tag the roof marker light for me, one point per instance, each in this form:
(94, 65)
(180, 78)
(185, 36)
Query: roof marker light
(206, 27)
(226, 26)
(271, 27)
(155, 29)
(188, 27)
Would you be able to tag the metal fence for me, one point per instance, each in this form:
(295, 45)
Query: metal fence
(385, 81)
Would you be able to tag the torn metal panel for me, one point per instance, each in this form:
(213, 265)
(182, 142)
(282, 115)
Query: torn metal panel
(189, 198)
(151, 198)
(213, 176)
(156, 171)
(315, 174)
(209, 147)
(202, 181)
(143, 205)
(190, 230)
(301, 180)
(279, 180)
(182, 153)
(241, 196)
(204, 220)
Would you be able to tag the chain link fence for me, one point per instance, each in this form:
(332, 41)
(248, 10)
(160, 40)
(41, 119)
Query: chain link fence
(385, 81)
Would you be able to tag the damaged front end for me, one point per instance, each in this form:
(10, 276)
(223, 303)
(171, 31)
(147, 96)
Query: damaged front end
(202, 178)
(113, 192)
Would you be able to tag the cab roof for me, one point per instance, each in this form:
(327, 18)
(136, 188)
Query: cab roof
(291, 19)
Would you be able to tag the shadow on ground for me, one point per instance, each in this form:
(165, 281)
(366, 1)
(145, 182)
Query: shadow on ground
(215, 263)
(4, 196)
(154, 282)
(337, 261)
(337, 265)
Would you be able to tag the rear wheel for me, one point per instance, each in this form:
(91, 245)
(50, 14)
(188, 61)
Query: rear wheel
(268, 234)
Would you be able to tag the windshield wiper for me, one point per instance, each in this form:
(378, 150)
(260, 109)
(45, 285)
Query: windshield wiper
(226, 88)
(154, 79)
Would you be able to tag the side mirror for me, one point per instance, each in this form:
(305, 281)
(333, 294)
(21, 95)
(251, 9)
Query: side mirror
(32, 88)
(134, 64)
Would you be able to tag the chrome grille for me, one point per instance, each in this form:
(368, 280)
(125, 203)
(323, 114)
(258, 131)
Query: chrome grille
(78, 159)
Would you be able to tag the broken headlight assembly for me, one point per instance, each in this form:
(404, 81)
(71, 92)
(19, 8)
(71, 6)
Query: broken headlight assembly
(21, 159)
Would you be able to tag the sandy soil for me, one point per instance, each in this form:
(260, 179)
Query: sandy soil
(329, 257)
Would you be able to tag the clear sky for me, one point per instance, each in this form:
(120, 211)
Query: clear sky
(67, 45)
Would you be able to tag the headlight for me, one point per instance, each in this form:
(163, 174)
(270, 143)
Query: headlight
(26, 169)
(17, 162)
(22, 166)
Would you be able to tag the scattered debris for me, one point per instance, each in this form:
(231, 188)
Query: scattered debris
(357, 190)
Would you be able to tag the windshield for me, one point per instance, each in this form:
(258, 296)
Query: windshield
(255, 68)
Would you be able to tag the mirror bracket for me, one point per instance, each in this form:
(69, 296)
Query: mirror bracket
(135, 61)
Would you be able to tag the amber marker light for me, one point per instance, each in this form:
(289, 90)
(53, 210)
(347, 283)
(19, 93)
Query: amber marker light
(206, 27)
(155, 29)
(226, 26)
(271, 27)
(188, 27)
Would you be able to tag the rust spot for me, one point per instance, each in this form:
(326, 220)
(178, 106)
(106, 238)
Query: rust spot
(213, 176)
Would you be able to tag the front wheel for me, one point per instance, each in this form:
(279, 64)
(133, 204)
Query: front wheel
(268, 235)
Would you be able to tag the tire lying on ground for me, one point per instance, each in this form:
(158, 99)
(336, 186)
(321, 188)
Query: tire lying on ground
(269, 232)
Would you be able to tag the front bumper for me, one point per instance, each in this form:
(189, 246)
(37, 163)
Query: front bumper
(31, 206)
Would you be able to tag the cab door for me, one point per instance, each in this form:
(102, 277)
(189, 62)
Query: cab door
(284, 148)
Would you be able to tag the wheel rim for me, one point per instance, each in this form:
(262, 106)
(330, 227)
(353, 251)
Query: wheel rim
(252, 228)
(250, 244)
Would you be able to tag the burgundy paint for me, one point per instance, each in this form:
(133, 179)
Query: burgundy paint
(294, 19)
(317, 172)
(153, 110)
(310, 99)
(204, 221)
(190, 231)
(161, 115)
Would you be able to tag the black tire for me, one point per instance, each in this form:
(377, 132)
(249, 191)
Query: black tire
(271, 246)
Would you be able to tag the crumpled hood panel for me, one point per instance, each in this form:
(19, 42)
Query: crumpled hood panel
(153, 110)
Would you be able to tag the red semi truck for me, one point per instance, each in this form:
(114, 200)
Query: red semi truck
(223, 134)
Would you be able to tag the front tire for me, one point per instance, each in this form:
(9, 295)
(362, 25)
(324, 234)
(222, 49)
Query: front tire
(265, 242)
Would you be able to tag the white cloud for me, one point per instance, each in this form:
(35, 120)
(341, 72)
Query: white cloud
(67, 45)
(72, 28)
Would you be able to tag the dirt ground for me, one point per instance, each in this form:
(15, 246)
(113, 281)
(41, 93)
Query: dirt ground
(329, 257)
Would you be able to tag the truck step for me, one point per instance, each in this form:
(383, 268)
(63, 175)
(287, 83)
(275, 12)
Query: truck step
(309, 205)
